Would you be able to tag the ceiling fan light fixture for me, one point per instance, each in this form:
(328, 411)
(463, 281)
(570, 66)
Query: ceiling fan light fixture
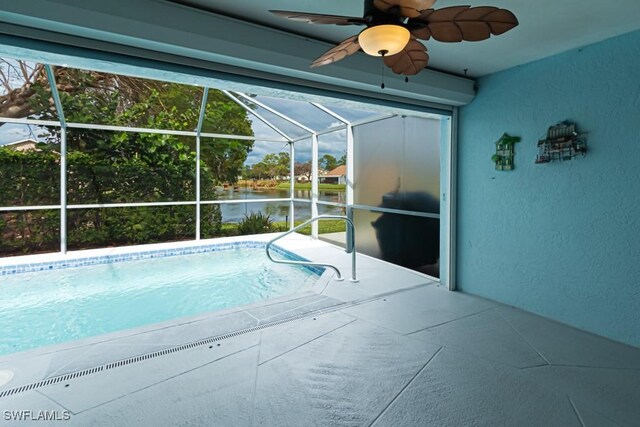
(384, 40)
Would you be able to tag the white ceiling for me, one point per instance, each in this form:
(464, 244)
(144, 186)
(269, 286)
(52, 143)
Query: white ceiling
(547, 27)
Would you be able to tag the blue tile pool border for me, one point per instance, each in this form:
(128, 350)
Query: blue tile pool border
(8, 270)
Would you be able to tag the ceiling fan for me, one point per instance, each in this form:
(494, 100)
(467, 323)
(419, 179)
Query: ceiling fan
(395, 26)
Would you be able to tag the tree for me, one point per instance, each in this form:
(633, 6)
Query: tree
(21, 83)
(283, 164)
(258, 171)
(328, 162)
(225, 157)
(272, 166)
(343, 160)
(302, 169)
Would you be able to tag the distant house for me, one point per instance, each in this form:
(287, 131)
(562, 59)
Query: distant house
(22, 145)
(335, 176)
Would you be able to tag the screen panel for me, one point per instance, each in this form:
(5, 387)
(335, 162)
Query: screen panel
(126, 167)
(224, 116)
(29, 232)
(302, 112)
(107, 227)
(96, 97)
(29, 165)
(25, 91)
(405, 240)
(302, 169)
(241, 219)
(397, 164)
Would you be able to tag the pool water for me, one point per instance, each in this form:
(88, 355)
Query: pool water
(56, 306)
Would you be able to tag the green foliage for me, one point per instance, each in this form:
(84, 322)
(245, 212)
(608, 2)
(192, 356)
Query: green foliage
(256, 223)
(29, 231)
(127, 226)
(508, 140)
(324, 226)
(211, 221)
(270, 167)
(328, 162)
(29, 178)
(120, 167)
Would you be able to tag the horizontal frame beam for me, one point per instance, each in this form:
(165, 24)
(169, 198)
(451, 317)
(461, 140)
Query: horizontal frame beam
(240, 201)
(139, 205)
(394, 211)
(29, 208)
(340, 205)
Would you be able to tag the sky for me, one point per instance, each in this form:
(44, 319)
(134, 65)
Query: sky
(12, 132)
(334, 143)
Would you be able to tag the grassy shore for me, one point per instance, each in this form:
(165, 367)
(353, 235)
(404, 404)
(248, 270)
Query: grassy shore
(272, 184)
(325, 226)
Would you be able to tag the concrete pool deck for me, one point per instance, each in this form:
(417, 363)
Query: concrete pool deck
(394, 349)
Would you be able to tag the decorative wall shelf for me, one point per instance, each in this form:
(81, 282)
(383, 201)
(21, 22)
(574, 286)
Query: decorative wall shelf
(563, 142)
(505, 152)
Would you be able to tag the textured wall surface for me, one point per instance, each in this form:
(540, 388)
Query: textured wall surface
(558, 239)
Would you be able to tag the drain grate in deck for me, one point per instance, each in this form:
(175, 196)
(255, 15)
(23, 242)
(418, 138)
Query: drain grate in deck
(143, 357)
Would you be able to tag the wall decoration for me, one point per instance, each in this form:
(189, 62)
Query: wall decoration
(563, 142)
(505, 152)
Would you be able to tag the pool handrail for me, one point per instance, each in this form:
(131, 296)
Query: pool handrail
(351, 246)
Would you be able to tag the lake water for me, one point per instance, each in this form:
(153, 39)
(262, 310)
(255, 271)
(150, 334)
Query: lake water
(279, 211)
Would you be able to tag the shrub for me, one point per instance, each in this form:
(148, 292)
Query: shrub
(256, 223)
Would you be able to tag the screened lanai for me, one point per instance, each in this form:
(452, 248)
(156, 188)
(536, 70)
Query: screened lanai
(93, 159)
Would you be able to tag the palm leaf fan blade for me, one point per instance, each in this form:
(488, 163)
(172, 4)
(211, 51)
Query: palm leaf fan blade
(410, 61)
(501, 21)
(465, 23)
(345, 48)
(317, 18)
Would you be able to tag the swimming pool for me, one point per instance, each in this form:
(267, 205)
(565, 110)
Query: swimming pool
(50, 303)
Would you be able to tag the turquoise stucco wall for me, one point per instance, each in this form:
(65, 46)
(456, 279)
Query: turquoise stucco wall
(559, 239)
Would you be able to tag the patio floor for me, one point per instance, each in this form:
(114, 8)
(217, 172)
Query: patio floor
(394, 349)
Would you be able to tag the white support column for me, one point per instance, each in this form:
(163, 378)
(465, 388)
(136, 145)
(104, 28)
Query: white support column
(350, 179)
(203, 107)
(350, 166)
(198, 214)
(292, 183)
(314, 184)
(448, 267)
(63, 158)
(63, 190)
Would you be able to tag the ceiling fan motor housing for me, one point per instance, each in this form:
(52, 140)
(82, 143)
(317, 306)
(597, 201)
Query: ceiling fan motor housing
(378, 17)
